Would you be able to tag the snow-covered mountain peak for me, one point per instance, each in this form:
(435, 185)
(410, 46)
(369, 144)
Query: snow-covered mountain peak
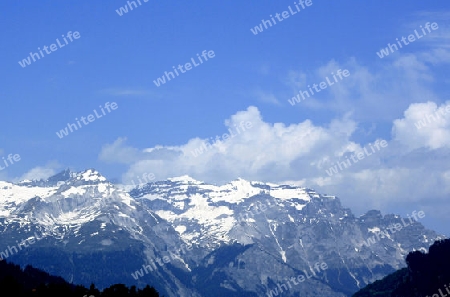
(185, 179)
(91, 175)
(240, 182)
(67, 198)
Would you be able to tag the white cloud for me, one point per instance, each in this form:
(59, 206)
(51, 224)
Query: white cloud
(266, 97)
(118, 153)
(40, 172)
(395, 84)
(436, 38)
(263, 151)
(405, 172)
(424, 125)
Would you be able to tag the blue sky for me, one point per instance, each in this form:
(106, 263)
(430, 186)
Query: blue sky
(251, 77)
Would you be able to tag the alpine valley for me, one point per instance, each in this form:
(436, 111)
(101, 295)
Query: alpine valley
(189, 238)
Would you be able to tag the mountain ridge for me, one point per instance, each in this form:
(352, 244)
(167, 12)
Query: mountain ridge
(274, 231)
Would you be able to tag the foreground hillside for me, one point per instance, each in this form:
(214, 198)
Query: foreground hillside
(426, 275)
(30, 281)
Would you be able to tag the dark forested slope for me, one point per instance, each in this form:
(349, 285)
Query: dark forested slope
(30, 281)
(427, 274)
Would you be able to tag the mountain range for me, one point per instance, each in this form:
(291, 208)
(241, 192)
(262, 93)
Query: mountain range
(189, 238)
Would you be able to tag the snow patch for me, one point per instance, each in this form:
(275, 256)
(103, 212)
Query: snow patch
(374, 229)
(180, 229)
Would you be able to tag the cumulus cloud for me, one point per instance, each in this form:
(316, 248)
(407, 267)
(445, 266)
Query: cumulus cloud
(424, 125)
(411, 171)
(254, 149)
(404, 172)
